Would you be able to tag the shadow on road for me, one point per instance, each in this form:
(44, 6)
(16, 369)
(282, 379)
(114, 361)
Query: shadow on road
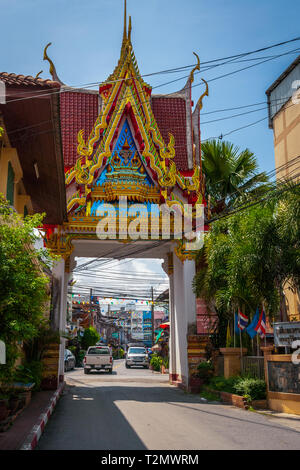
(88, 417)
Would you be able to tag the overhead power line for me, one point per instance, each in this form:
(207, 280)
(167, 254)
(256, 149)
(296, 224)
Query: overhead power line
(40, 92)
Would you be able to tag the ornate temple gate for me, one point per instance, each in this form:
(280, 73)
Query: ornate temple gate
(127, 187)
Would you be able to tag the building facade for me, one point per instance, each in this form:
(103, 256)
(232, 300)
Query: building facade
(284, 118)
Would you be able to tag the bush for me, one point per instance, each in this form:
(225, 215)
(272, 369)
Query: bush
(254, 388)
(223, 385)
(205, 370)
(80, 357)
(165, 362)
(29, 372)
(90, 337)
(251, 388)
(156, 362)
(121, 353)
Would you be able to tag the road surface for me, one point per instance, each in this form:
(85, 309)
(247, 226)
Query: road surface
(136, 409)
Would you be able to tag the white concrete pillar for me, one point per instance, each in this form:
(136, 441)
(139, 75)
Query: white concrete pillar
(184, 315)
(189, 271)
(63, 277)
(172, 338)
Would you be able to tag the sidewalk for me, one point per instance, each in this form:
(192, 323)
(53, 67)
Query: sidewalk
(27, 425)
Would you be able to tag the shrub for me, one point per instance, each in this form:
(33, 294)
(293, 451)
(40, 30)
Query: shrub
(251, 388)
(156, 362)
(29, 372)
(205, 370)
(223, 385)
(80, 357)
(90, 337)
(254, 388)
(165, 362)
(121, 353)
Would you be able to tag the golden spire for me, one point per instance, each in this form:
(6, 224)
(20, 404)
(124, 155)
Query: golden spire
(125, 22)
(129, 29)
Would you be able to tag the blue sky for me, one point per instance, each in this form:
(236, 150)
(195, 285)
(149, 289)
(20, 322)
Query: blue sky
(86, 37)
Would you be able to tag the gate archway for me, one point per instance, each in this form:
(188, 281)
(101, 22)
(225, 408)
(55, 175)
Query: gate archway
(134, 186)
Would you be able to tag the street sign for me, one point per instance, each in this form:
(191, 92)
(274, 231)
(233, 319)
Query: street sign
(285, 333)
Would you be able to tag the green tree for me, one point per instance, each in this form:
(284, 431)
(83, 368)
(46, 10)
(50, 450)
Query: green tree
(230, 173)
(249, 258)
(90, 337)
(23, 284)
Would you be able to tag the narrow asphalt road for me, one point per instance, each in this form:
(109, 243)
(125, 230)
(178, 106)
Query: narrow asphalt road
(137, 409)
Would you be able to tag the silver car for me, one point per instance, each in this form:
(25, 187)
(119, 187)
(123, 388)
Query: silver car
(137, 356)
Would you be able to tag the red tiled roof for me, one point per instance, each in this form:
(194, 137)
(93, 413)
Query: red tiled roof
(170, 115)
(78, 111)
(12, 79)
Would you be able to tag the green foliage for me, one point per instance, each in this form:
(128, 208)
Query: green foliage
(29, 372)
(72, 349)
(210, 396)
(165, 362)
(254, 389)
(249, 257)
(35, 347)
(230, 173)
(251, 388)
(81, 355)
(90, 337)
(23, 292)
(205, 369)
(223, 385)
(23, 284)
(156, 362)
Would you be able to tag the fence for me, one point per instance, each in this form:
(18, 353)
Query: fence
(254, 366)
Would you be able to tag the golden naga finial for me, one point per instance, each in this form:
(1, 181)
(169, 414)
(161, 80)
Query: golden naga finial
(38, 74)
(203, 94)
(52, 69)
(197, 67)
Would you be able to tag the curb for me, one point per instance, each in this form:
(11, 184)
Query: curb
(37, 430)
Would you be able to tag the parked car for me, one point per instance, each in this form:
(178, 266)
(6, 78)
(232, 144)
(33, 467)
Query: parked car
(137, 356)
(70, 360)
(98, 358)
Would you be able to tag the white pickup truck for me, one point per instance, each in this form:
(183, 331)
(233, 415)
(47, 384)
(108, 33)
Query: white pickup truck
(98, 358)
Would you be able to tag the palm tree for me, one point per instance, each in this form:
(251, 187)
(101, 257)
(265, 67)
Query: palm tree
(230, 173)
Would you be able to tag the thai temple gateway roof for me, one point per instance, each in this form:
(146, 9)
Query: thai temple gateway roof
(122, 141)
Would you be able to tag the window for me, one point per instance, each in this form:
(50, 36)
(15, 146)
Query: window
(98, 351)
(10, 184)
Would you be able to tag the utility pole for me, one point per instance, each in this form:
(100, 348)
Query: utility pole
(152, 314)
(90, 314)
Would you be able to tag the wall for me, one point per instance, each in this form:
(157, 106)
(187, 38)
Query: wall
(283, 384)
(286, 125)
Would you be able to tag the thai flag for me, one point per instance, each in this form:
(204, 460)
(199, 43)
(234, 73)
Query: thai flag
(261, 325)
(242, 321)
